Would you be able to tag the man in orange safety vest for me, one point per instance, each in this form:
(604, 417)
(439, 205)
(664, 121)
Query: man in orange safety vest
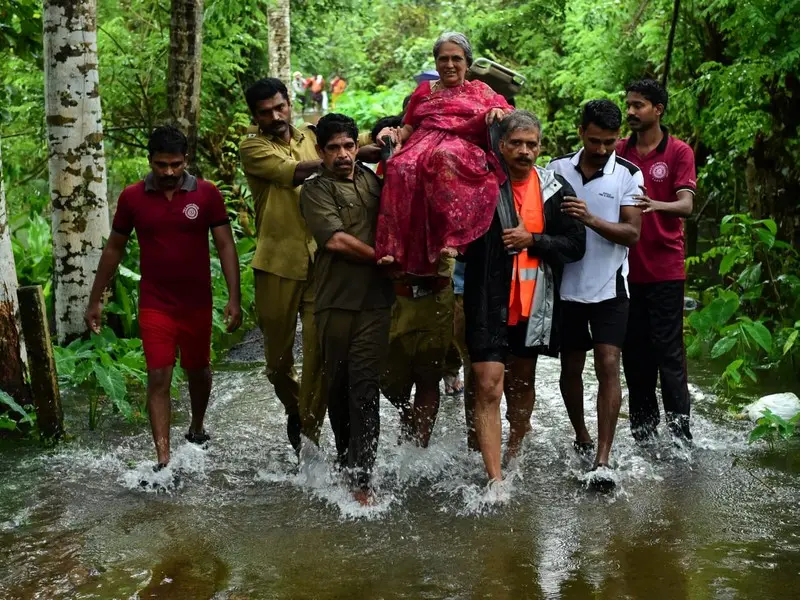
(511, 291)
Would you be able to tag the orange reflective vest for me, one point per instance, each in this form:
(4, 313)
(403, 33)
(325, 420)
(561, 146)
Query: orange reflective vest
(528, 199)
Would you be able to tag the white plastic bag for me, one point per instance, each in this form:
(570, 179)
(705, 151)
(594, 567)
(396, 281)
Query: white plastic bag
(786, 405)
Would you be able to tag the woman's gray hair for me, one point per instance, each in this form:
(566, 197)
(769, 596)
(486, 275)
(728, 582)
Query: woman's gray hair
(454, 37)
(519, 119)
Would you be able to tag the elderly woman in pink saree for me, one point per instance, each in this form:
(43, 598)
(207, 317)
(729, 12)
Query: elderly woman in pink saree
(440, 189)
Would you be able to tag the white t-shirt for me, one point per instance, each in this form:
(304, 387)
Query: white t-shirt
(595, 277)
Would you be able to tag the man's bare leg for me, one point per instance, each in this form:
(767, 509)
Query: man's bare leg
(520, 396)
(426, 407)
(199, 393)
(159, 408)
(609, 398)
(401, 400)
(488, 382)
(571, 383)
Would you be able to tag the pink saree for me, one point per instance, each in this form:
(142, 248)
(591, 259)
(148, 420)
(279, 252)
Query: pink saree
(440, 190)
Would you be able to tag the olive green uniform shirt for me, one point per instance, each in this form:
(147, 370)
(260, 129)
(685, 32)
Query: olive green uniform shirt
(330, 205)
(284, 245)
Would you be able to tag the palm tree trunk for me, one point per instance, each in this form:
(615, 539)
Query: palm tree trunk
(77, 159)
(279, 41)
(183, 78)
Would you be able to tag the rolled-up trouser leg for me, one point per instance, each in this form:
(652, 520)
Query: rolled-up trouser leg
(311, 402)
(368, 351)
(335, 327)
(277, 304)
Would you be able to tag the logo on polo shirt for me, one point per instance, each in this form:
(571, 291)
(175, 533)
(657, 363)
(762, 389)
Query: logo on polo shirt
(659, 171)
(191, 211)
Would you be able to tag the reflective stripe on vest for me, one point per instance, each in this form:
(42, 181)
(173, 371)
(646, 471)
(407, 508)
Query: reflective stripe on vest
(526, 267)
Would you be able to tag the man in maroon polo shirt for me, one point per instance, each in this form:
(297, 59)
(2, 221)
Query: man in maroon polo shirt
(172, 212)
(654, 343)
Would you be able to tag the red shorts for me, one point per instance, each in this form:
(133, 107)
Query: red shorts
(163, 333)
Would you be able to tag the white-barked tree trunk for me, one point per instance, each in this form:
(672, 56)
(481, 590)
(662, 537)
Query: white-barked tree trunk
(279, 40)
(12, 366)
(77, 161)
(183, 77)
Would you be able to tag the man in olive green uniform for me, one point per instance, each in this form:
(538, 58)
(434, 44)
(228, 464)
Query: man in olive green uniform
(353, 295)
(421, 333)
(277, 158)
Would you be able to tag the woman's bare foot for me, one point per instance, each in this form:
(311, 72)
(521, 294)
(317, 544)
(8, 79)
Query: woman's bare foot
(449, 252)
(386, 260)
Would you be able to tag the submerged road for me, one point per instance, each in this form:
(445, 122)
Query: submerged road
(719, 521)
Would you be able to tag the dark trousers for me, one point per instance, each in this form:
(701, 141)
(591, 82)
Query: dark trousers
(654, 347)
(354, 346)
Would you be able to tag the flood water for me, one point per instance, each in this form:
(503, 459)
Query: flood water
(719, 521)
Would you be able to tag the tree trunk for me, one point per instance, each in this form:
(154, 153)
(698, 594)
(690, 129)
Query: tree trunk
(279, 42)
(77, 160)
(183, 79)
(12, 366)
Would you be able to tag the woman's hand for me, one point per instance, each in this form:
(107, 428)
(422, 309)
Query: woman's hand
(495, 114)
(393, 133)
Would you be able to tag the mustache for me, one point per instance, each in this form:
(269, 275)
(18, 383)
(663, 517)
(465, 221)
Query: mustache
(278, 125)
(342, 162)
(633, 120)
(524, 160)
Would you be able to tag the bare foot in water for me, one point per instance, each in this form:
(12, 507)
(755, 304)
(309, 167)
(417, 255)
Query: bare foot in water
(514, 445)
(365, 497)
(449, 252)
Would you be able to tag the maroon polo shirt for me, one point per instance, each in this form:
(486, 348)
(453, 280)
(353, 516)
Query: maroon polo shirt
(668, 169)
(173, 240)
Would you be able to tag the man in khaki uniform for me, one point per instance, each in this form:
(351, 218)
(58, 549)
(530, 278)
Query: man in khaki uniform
(277, 158)
(353, 295)
(421, 333)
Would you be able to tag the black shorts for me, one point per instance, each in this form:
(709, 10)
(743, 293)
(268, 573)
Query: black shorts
(607, 320)
(515, 337)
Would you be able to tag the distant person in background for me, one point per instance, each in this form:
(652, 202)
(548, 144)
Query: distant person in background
(316, 85)
(172, 212)
(338, 86)
(654, 344)
(594, 290)
(299, 89)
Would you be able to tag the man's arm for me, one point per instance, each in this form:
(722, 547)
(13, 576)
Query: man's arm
(351, 247)
(682, 207)
(109, 261)
(226, 248)
(568, 244)
(624, 233)
(260, 160)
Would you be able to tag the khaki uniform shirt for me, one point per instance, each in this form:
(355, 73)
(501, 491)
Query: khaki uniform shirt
(329, 205)
(284, 246)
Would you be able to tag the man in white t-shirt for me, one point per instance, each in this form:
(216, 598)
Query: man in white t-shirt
(594, 290)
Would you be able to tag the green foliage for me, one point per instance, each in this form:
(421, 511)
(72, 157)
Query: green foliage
(106, 367)
(750, 318)
(13, 414)
(772, 428)
(367, 107)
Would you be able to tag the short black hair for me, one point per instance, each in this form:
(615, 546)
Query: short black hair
(333, 124)
(167, 139)
(264, 89)
(603, 113)
(652, 91)
(385, 122)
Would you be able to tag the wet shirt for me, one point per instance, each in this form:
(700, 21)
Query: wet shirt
(330, 205)
(173, 240)
(667, 169)
(284, 246)
(602, 272)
